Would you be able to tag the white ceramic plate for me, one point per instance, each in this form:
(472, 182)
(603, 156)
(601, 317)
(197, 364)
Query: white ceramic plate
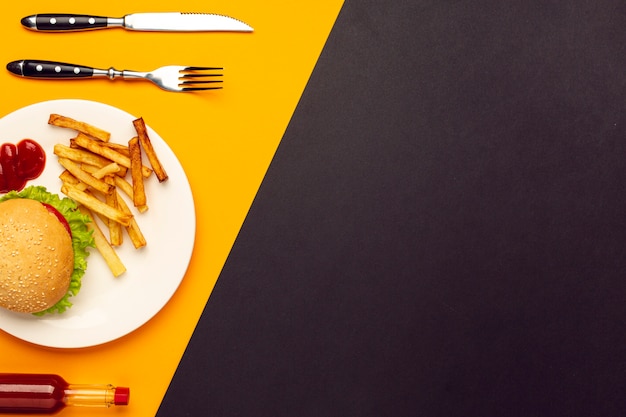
(107, 308)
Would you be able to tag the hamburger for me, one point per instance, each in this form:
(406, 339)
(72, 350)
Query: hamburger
(43, 251)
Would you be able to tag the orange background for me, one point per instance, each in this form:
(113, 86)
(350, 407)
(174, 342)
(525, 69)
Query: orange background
(225, 140)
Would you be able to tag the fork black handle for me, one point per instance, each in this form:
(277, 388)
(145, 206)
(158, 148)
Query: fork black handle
(51, 22)
(48, 69)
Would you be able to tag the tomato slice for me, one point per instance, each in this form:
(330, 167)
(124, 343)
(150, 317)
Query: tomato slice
(59, 216)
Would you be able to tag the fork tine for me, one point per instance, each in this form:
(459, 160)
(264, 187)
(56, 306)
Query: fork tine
(193, 75)
(188, 80)
(198, 85)
(201, 84)
(200, 88)
(203, 69)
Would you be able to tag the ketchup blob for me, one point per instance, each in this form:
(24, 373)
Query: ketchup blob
(19, 164)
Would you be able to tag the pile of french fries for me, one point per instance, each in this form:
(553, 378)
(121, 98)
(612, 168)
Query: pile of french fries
(95, 175)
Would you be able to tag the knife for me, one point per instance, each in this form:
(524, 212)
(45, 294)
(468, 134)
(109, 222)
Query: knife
(176, 22)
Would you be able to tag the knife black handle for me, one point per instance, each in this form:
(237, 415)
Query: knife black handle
(48, 69)
(56, 22)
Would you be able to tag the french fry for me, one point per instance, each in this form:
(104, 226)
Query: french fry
(107, 170)
(86, 128)
(71, 181)
(134, 232)
(105, 220)
(96, 205)
(109, 254)
(115, 229)
(146, 145)
(127, 188)
(85, 177)
(67, 178)
(80, 155)
(139, 193)
(111, 154)
(123, 149)
(100, 172)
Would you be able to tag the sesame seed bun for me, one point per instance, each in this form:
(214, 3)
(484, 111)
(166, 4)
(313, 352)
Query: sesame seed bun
(36, 256)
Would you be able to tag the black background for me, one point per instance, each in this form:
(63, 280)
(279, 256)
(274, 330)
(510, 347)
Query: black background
(442, 230)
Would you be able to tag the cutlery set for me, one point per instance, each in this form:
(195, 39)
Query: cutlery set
(169, 78)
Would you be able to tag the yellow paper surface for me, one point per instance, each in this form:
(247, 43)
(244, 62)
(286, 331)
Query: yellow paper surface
(225, 141)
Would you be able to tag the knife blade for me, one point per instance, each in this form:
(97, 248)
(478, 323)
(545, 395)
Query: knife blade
(174, 22)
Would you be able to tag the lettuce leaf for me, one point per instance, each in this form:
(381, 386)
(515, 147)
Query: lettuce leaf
(81, 237)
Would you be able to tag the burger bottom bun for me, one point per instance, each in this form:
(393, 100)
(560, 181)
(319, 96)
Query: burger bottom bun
(36, 257)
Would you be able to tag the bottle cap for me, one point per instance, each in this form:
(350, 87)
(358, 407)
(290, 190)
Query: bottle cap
(122, 395)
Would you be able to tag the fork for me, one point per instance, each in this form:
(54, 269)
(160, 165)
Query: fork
(171, 78)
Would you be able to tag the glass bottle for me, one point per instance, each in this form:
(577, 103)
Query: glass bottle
(49, 393)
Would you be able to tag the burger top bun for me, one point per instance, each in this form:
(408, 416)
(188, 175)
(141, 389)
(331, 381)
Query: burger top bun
(36, 256)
